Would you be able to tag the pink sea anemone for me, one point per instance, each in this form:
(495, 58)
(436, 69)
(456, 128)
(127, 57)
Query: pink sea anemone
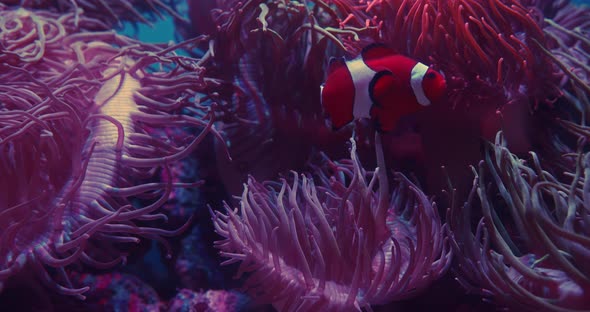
(200, 16)
(272, 57)
(341, 245)
(566, 27)
(485, 48)
(110, 13)
(530, 248)
(569, 47)
(491, 55)
(82, 116)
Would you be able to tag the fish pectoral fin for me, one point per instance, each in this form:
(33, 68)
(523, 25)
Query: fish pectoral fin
(385, 122)
(381, 86)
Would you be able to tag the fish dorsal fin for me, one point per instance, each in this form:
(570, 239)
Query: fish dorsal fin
(334, 63)
(376, 51)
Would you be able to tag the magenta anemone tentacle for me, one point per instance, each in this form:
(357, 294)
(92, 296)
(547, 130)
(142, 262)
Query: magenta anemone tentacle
(339, 260)
(71, 195)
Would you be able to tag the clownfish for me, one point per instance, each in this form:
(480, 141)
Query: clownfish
(379, 84)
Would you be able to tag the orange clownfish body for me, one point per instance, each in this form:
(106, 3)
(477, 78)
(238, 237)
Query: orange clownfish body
(380, 85)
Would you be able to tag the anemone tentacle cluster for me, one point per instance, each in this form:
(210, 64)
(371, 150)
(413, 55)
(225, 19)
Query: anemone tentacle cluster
(530, 250)
(484, 47)
(82, 120)
(565, 26)
(273, 54)
(490, 52)
(109, 13)
(98, 131)
(340, 245)
(504, 60)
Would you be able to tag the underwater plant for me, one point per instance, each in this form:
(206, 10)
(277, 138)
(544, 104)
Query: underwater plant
(351, 244)
(530, 247)
(86, 124)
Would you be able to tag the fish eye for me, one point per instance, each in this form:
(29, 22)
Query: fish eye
(430, 75)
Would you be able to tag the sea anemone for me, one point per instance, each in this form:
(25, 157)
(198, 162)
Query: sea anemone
(530, 248)
(490, 53)
(110, 13)
(83, 120)
(350, 244)
(200, 17)
(569, 43)
(497, 75)
(485, 48)
(272, 55)
(566, 27)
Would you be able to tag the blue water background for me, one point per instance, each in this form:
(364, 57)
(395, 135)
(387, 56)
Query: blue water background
(161, 30)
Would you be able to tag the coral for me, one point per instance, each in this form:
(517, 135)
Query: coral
(342, 245)
(117, 292)
(196, 264)
(103, 139)
(82, 137)
(530, 248)
(208, 301)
